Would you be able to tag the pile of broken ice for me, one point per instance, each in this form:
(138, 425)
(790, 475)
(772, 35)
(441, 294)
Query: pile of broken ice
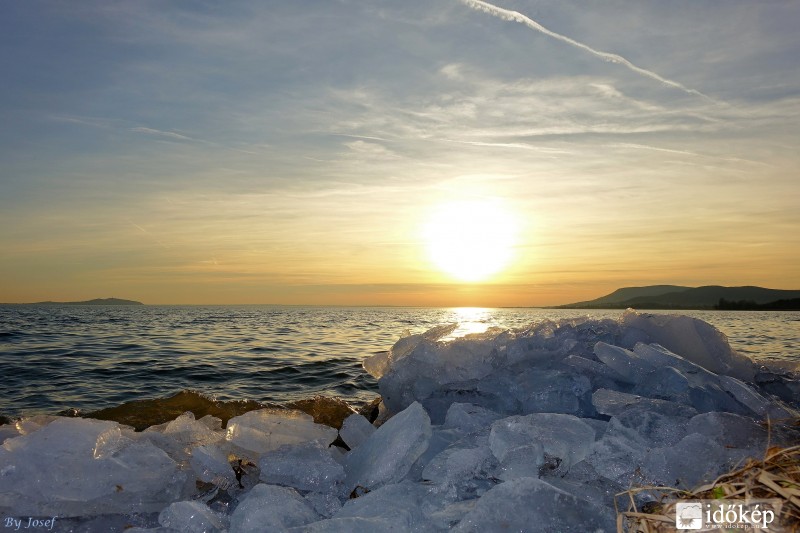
(525, 430)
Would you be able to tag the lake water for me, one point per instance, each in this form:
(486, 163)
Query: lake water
(58, 357)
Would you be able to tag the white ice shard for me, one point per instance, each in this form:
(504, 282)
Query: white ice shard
(191, 517)
(210, 464)
(754, 401)
(76, 466)
(693, 339)
(271, 508)
(626, 363)
(611, 402)
(190, 432)
(595, 369)
(564, 437)
(307, 466)
(387, 455)
(355, 430)
(260, 431)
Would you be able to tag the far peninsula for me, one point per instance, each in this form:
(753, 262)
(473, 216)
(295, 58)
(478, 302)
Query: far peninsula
(96, 301)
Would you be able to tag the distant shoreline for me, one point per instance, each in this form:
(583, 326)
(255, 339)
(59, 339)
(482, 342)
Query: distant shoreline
(96, 301)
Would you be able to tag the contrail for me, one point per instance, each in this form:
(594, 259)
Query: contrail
(516, 16)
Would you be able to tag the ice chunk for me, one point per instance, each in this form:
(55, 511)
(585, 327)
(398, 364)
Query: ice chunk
(387, 456)
(352, 525)
(324, 503)
(563, 437)
(682, 381)
(210, 464)
(730, 430)
(659, 357)
(8, 431)
(528, 503)
(190, 432)
(191, 517)
(610, 402)
(440, 439)
(430, 365)
(671, 384)
(694, 459)
(457, 463)
(523, 461)
(355, 430)
(754, 401)
(405, 505)
(306, 466)
(468, 417)
(694, 340)
(626, 363)
(260, 431)
(648, 428)
(617, 458)
(583, 481)
(552, 391)
(87, 470)
(271, 508)
(451, 514)
(377, 365)
(600, 370)
(109, 442)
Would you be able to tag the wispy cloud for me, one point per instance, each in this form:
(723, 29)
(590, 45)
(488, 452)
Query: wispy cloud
(516, 16)
(166, 134)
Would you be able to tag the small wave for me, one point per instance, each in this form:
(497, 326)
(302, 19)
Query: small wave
(264, 349)
(141, 414)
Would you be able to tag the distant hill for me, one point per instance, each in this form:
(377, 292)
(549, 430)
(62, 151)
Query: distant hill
(96, 301)
(630, 293)
(677, 297)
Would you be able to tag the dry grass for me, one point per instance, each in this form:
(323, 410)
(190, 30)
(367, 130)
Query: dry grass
(776, 476)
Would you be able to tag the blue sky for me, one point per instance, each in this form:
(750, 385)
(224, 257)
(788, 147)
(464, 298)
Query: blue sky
(289, 152)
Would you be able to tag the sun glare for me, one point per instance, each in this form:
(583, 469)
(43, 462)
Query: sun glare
(470, 240)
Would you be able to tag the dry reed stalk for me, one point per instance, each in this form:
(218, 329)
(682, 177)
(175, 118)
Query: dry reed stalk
(775, 477)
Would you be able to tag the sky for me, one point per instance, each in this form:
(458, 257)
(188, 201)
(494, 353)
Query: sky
(305, 152)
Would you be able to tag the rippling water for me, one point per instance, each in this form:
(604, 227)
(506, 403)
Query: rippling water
(86, 357)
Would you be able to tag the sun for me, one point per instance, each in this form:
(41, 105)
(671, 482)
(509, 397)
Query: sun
(470, 240)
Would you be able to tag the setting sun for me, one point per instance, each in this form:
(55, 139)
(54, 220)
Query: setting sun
(470, 240)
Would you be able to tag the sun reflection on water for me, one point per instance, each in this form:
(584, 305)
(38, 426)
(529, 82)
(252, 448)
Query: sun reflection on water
(471, 320)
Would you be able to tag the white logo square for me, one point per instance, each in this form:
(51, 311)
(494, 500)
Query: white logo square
(689, 515)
